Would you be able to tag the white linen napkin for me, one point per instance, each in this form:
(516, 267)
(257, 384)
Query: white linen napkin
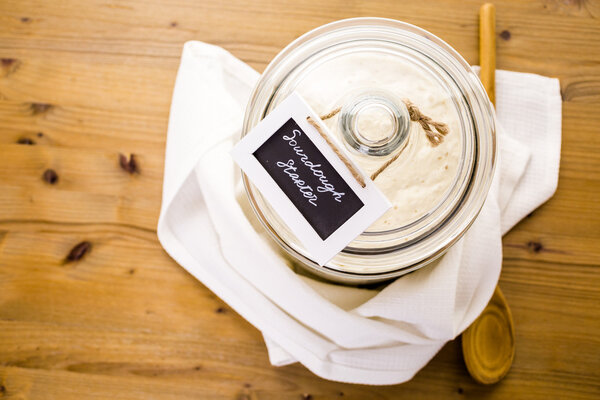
(340, 333)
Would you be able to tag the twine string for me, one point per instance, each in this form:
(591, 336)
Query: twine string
(435, 136)
(434, 131)
(386, 164)
(331, 114)
(337, 151)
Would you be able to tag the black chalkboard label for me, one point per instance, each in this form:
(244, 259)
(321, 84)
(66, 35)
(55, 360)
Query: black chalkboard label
(308, 179)
(305, 182)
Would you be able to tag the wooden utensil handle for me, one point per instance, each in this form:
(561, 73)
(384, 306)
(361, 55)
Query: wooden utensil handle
(487, 49)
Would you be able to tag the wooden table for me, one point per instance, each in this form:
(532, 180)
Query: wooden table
(84, 81)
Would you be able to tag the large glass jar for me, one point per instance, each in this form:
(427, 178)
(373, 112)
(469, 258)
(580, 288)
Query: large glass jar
(369, 67)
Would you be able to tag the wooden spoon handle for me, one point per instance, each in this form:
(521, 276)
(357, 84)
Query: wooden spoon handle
(487, 49)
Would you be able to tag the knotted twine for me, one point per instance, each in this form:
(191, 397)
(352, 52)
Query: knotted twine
(434, 131)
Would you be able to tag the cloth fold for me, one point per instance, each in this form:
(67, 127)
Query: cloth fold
(340, 333)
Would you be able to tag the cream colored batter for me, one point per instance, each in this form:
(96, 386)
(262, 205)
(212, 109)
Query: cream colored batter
(419, 179)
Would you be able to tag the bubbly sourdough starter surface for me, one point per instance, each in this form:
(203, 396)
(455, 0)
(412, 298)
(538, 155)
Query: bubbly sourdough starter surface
(419, 179)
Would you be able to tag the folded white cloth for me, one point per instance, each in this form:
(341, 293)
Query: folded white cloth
(340, 333)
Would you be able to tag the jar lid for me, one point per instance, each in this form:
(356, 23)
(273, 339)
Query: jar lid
(372, 70)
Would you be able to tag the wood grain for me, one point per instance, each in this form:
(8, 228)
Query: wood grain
(85, 81)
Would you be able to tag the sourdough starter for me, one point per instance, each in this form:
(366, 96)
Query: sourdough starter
(422, 175)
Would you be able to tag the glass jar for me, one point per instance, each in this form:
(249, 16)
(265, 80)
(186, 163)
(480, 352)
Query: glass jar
(367, 67)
